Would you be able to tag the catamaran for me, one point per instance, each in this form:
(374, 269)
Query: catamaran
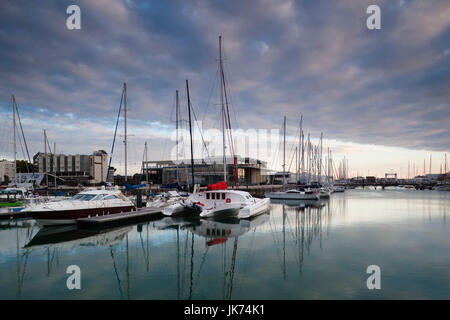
(217, 201)
(88, 203)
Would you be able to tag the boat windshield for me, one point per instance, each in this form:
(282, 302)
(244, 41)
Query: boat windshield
(87, 197)
(77, 196)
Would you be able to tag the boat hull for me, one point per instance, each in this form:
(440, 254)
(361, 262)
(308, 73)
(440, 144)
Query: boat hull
(261, 206)
(292, 196)
(178, 210)
(70, 216)
(221, 212)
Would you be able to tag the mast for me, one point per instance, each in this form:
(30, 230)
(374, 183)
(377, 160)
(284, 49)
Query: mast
(177, 119)
(445, 167)
(223, 110)
(190, 133)
(177, 110)
(430, 163)
(125, 118)
(284, 151)
(146, 163)
(14, 128)
(308, 158)
(320, 159)
(45, 157)
(54, 160)
(300, 147)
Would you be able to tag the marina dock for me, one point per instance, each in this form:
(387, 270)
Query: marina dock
(13, 215)
(119, 219)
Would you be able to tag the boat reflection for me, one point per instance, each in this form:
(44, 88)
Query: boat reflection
(300, 203)
(176, 222)
(67, 237)
(218, 231)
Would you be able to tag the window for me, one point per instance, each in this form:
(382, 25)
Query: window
(110, 197)
(99, 196)
(213, 196)
(207, 196)
(87, 197)
(77, 196)
(223, 196)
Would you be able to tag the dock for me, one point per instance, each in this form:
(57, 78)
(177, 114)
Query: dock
(120, 219)
(13, 215)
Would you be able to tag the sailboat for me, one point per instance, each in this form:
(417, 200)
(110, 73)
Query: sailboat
(217, 200)
(91, 201)
(292, 194)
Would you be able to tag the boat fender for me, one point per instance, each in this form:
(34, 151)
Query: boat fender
(199, 203)
(228, 200)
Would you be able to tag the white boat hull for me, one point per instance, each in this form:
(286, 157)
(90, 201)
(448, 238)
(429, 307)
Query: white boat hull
(221, 211)
(292, 196)
(259, 207)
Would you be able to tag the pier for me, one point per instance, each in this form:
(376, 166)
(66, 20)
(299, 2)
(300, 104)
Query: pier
(119, 219)
(13, 215)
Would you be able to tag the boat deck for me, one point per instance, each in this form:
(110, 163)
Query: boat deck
(117, 219)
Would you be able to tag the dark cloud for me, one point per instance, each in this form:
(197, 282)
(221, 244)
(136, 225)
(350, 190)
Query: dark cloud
(386, 87)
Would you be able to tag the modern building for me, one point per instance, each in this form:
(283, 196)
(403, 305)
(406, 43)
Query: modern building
(206, 171)
(76, 168)
(6, 170)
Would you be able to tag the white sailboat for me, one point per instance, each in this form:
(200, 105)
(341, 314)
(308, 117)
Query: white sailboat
(217, 200)
(292, 194)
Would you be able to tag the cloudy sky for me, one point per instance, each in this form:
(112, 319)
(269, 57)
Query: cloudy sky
(380, 97)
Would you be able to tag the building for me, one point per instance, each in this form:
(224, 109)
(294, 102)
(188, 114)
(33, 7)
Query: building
(76, 168)
(6, 170)
(206, 171)
(99, 166)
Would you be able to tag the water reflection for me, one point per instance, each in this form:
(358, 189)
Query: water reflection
(297, 250)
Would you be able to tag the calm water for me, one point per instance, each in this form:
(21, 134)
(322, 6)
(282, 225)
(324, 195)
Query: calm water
(318, 251)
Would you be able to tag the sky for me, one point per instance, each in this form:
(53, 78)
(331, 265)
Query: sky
(381, 98)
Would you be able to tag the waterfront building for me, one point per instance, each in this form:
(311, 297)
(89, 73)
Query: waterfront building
(6, 170)
(76, 168)
(206, 171)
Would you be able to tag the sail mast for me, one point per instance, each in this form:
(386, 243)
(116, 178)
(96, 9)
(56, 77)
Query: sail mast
(125, 120)
(223, 110)
(54, 161)
(44, 164)
(177, 114)
(146, 163)
(284, 151)
(299, 149)
(14, 128)
(190, 133)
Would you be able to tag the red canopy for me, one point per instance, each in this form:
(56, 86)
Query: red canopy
(217, 186)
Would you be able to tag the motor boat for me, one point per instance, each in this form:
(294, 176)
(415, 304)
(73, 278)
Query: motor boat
(337, 189)
(442, 187)
(88, 203)
(216, 201)
(165, 199)
(295, 194)
(324, 192)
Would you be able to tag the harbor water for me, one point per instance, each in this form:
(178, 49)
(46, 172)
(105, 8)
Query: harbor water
(312, 250)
